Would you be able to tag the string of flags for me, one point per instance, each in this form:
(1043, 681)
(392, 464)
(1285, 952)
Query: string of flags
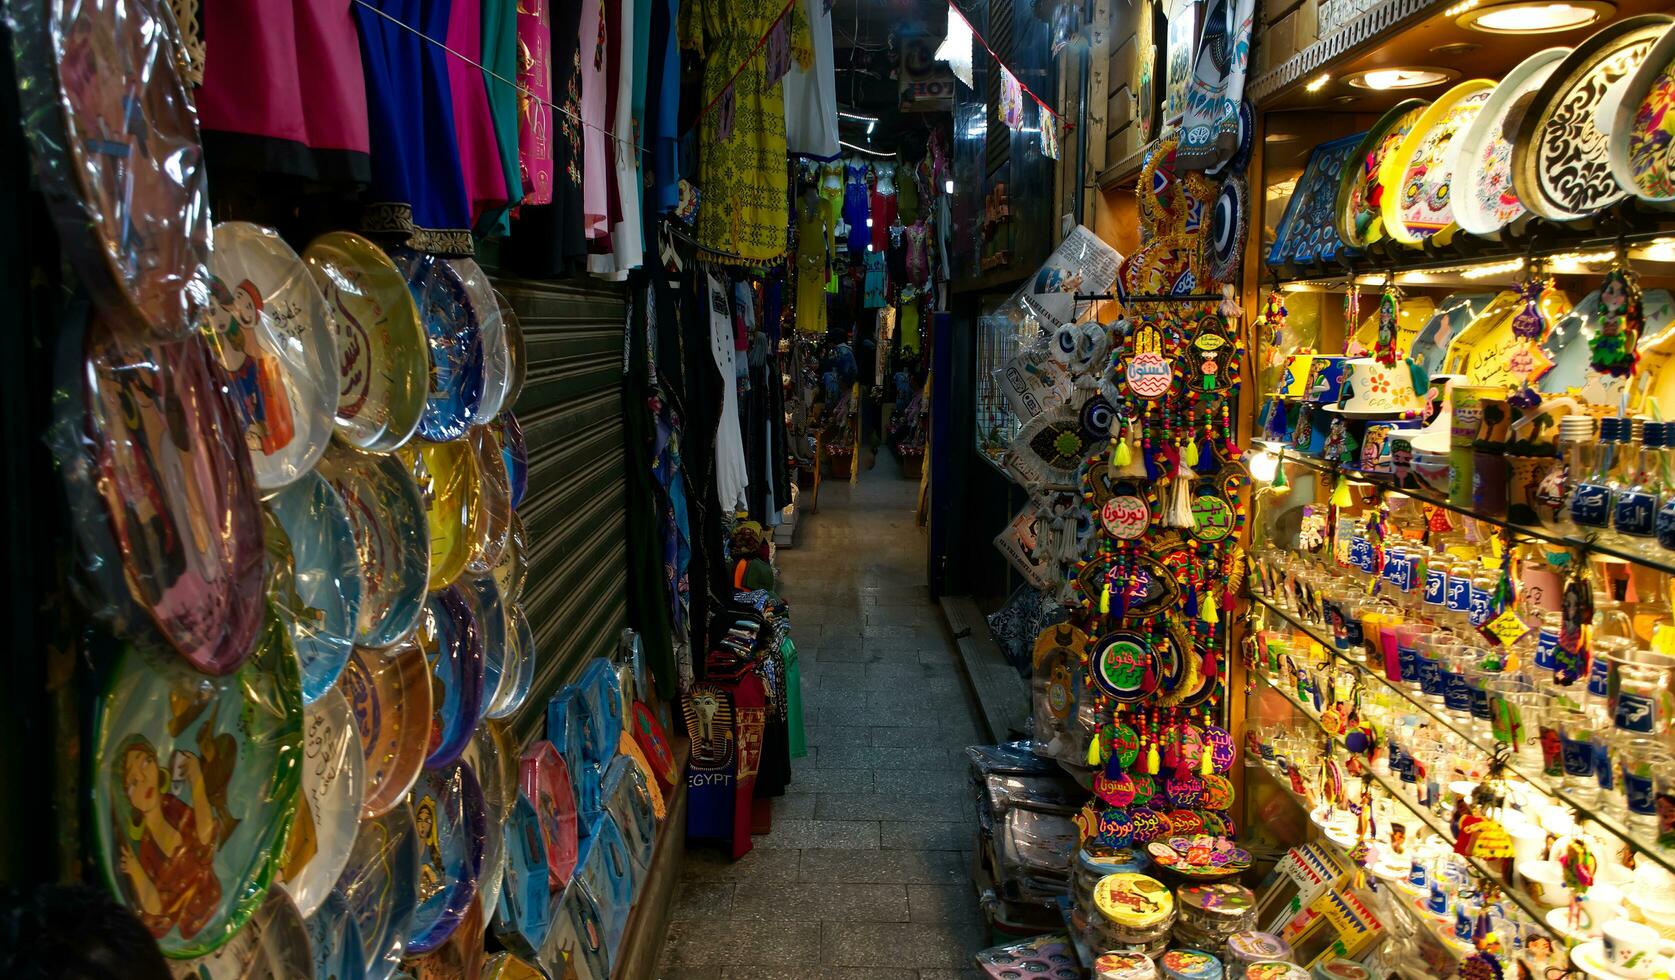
(956, 51)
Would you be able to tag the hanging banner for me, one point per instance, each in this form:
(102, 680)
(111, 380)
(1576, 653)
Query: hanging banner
(956, 48)
(1011, 106)
(1049, 135)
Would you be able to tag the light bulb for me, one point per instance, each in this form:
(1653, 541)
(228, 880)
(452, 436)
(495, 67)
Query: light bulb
(948, 186)
(869, 222)
(1263, 466)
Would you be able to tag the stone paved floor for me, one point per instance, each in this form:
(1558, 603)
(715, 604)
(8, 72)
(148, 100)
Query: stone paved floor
(866, 872)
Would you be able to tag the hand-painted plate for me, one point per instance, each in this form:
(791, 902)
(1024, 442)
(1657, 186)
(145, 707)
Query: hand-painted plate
(493, 518)
(1360, 190)
(579, 932)
(1643, 127)
(491, 328)
(179, 492)
(115, 141)
(273, 945)
(515, 453)
(449, 818)
(277, 339)
(1309, 231)
(628, 800)
(517, 352)
(329, 807)
(392, 539)
(1483, 196)
(383, 355)
(648, 732)
(519, 669)
(512, 570)
(1561, 166)
(446, 475)
(506, 966)
(493, 757)
(1453, 315)
(327, 579)
(195, 783)
(1420, 173)
(336, 938)
(525, 912)
(460, 957)
(604, 710)
(1227, 230)
(453, 645)
(390, 694)
(455, 344)
(490, 615)
(545, 780)
(379, 883)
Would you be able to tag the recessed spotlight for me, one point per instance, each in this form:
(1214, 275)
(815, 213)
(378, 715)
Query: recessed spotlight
(1455, 50)
(1535, 18)
(1317, 84)
(1386, 79)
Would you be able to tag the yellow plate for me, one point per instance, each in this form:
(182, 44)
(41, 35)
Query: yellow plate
(446, 473)
(1416, 177)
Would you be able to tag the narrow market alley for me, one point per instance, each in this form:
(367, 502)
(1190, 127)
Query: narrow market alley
(866, 871)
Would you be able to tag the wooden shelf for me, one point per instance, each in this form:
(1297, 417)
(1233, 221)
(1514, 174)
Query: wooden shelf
(648, 923)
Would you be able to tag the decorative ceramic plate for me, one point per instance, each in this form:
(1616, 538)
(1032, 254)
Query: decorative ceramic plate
(1309, 231)
(378, 883)
(327, 580)
(1360, 191)
(460, 957)
(608, 874)
(1643, 127)
(390, 695)
(448, 482)
(648, 732)
(449, 818)
(490, 615)
(115, 142)
(452, 641)
(392, 540)
(1453, 315)
(545, 780)
(336, 939)
(493, 523)
(525, 912)
(491, 328)
(1227, 230)
(515, 454)
(578, 928)
(604, 710)
(1483, 196)
(273, 945)
(519, 671)
(329, 808)
(1420, 171)
(383, 355)
(1561, 166)
(510, 573)
(455, 344)
(179, 492)
(506, 966)
(195, 784)
(272, 331)
(628, 801)
(494, 759)
(517, 353)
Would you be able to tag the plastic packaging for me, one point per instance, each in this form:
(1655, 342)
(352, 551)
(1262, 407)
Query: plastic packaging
(390, 695)
(453, 646)
(114, 138)
(217, 758)
(545, 779)
(567, 729)
(576, 944)
(455, 344)
(609, 876)
(628, 801)
(515, 453)
(392, 540)
(383, 353)
(506, 966)
(648, 734)
(493, 757)
(329, 809)
(336, 939)
(513, 567)
(491, 328)
(491, 528)
(460, 956)
(446, 475)
(378, 884)
(599, 688)
(519, 670)
(178, 492)
(326, 575)
(273, 945)
(526, 906)
(517, 353)
(272, 331)
(484, 600)
(452, 829)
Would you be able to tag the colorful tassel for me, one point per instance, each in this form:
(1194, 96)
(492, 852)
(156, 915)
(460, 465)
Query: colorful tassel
(1189, 455)
(1340, 495)
(1205, 765)
(1180, 509)
(1105, 599)
(1093, 752)
(1207, 612)
(1123, 455)
(1153, 763)
(1279, 476)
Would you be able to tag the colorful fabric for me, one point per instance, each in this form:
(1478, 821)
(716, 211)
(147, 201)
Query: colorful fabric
(500, 61)
(1011, 107)
(534, 113)
(479, 153)
(595, 122)
(857, 201)
(814, 270)
(873, 296)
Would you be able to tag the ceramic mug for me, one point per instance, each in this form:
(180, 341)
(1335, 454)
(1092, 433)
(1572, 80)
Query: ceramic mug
(1469, 407)
(1544, 881)
(1630, 948)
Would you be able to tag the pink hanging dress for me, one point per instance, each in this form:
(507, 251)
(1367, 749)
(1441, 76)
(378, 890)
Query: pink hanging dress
(479, 153)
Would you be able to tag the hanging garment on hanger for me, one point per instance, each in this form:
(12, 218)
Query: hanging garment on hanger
(857, 202)
(731, 473)
(814, 268)
(500, 58)
(479, 154)
(535, 52)
(627, 245)
(872, 293)
(595, 123)
(918, 262)
(549, 240)
(883, 207)
(811, 119)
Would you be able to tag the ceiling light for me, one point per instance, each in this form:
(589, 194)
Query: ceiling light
(1317, 84)
(1534, 18)
(1492, 269)
(1385, 79)
(1660, 250)
(948, 186)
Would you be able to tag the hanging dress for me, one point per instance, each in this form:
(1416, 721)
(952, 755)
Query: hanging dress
(918, 261)
(883, 207)
(856, 202)
(596, 168)
(907, 193)
(872, 291)
(500, 74)
(479, 154)
(811, 119)
(813, 266)
(663, 108)
(548, 239)
(627, 245)
(535, 92)
(741, 172)
(831, 192)
(732, 473)
(417, 195)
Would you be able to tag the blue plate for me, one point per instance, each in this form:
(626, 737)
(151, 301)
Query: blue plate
(520, 655)
(328, 579)
(628, 801)
(378, 885)
(579, 928)
(610, 879)
(1309, 231)
(452, 827)
(526, 907)
(515, 454)
(484, 598)
(567, 729)
(456, 347)
(603, 693)
(452, 642)
(392, 541)
(336, 938)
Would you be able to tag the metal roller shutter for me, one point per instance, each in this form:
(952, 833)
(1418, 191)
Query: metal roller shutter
(573, 513)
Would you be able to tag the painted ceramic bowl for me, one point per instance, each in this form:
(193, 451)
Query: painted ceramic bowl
(491, 329)
(379, 886)
(336, 939)
(273, 945)
(392, 540)
(1419, 174)
(518, 673)
(517, 353)
(453, 646)
(545, 780)
(326, 576)
(276, 338)
(446, 475)
(383, 355)
(179, 492)
(390, 695)
(492, 523)
(1483, 195)
(1360, 187)
(516, 455)
(454, 341)
(115, 141)
(195, 782)
(526, 907)
(493, 757)
(513, 568)
(329, 808)
(449, 819)
(1643, 127)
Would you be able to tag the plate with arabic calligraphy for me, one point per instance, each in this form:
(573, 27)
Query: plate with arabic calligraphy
(378, 884)
(392, 540)
(390, 694)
